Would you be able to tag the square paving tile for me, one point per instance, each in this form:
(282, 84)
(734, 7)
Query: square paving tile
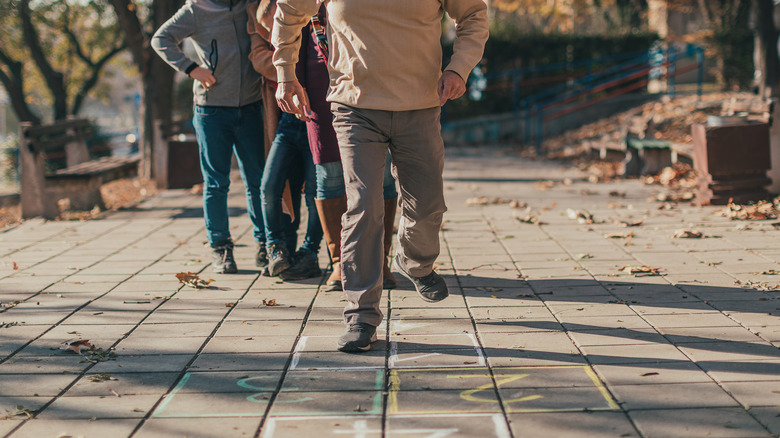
(336, 360)
(214, 404)
(641, 374)
(364, 426)
(668, 396)
(240, 362)
(321, 380)
(228, 381)
(451, 426)
(743, 371)
(127, 406)
(147, 363)
(202, 428)
(572, 425)
(694, 423)
(755, 393)
(81, 428)
(403, 343)
(123, 384)
(45, 385)
(327, 403)
(731, 351)
(440, 379)
(643, 353)
(506, 357)
(769, 417)
(252, 344)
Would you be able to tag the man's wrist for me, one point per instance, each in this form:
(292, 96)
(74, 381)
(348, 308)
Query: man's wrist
(191, 67)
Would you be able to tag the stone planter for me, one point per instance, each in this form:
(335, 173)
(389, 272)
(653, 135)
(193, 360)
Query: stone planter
(731, 162)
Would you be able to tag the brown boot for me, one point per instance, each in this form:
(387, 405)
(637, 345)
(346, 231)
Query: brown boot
(388, 280)
(330, 212)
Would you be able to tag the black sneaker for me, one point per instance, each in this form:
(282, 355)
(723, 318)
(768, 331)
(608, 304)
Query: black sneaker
(222, 258)
(261, 258)
(306, 266)
(278, 259)
(431, 287)
(357, 338)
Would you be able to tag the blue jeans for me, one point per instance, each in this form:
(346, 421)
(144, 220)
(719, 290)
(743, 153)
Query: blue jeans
(330, 180)
(290, 146)
(220, 132)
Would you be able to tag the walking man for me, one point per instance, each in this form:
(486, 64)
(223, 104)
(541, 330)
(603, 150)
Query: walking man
(386, 91)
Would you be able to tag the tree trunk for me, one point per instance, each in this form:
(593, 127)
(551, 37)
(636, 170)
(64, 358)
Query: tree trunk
(766, 56)
(157, 77)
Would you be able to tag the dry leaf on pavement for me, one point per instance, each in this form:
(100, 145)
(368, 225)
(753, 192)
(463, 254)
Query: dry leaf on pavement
(640, 271)
(76, 346)
(761, 210)
(270, 302)
(687, 234)
(582, 216)
(629, 223)
(530, 219)
(192, 279)
(620, 235)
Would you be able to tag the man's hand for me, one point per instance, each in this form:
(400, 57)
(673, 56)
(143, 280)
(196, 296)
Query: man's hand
(292, 98)
(451, 86)
(203, 76)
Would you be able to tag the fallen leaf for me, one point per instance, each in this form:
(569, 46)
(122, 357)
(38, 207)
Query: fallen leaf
(76, 346)
(769, 272)
(640, 271)
(269, 302)
(545, 185)
(649, 374)
(530, 219)
(616, 194)
(687, 234)
(582, 216)
(95, 355)
(16, 267)
(21, 410)
(584, 256)
(192, 279)
(620, 235)
(103, 377)
(230, 304)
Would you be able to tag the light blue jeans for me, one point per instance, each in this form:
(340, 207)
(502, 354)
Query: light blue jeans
(220, 132)
(330, 180)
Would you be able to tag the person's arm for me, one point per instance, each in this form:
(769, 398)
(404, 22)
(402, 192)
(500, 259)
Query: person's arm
(261, 53)
(166, 42)
(471, 34)
(291, 16)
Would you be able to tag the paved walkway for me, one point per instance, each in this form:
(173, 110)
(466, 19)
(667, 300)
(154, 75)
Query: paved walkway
(543, 336)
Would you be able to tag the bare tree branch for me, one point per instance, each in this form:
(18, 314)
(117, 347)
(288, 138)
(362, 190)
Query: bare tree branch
(96, 68)
(13, 82)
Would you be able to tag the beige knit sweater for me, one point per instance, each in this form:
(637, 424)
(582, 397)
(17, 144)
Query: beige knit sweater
(384, 54)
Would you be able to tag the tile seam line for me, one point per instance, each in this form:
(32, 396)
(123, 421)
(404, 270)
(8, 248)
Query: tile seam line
(43, 239)
(89, 367)
(121, 224)
(622, 248)
(477, 335)
(5, 359)
(183, 372)
(565, 250)
(288, 362)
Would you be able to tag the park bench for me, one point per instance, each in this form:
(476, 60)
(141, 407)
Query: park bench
(176, 162)
(44, 190)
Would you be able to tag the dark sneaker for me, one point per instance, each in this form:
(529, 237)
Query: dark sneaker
(261, 258)
(357, 338)
(222, 258)
(431, 287)
(306, 266)
(278, 259)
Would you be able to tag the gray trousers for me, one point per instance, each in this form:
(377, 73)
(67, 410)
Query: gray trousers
(415, 144)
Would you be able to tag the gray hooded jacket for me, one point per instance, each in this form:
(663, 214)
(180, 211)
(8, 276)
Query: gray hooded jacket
(218, 30)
